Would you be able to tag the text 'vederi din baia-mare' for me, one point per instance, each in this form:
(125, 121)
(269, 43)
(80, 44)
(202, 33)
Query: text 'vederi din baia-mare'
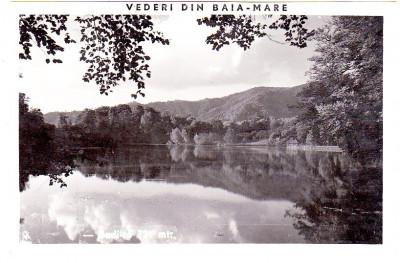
(209, 7)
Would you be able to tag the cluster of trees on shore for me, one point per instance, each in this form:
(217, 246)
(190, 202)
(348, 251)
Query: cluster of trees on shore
(122, 125)
(266, 130)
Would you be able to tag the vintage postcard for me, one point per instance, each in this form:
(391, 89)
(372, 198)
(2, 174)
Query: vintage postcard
(204, 122)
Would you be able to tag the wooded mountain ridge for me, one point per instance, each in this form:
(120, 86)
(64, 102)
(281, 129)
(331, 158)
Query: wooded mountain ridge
(245, 105)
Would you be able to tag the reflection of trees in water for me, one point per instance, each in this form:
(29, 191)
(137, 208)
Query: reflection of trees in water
(56, 165)
(204, 152)
(344, 207)
(179, 153)
(256, 173)
(130, 164)
(55, 169)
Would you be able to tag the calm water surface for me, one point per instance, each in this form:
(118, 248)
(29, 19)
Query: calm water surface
(207, 194)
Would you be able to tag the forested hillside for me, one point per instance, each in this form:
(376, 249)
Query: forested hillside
(260, 101)
(246, 105)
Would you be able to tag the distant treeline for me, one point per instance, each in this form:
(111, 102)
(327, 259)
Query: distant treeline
(121, 126)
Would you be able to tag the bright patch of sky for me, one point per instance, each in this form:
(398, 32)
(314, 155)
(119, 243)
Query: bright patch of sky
(187, 69)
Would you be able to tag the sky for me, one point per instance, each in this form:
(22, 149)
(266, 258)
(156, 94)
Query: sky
(187, 69)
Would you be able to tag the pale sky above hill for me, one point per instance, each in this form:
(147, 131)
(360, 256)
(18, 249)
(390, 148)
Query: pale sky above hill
(187, 69)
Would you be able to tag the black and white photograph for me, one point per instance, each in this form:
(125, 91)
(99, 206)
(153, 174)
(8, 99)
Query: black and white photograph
(221, 129)
(199, 131)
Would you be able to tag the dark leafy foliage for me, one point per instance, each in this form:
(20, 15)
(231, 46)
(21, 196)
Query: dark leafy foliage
(39, 30)
(113, 49)
(295, 33)
(243, 30)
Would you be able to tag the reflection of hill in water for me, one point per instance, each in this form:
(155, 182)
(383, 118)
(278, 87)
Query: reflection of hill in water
(255, 173)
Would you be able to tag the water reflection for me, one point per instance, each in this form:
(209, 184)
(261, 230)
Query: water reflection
(55, 165)
(113, 212)
(343, 208)
(207, 194)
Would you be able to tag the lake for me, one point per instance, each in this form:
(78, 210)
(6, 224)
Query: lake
(204, 194)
